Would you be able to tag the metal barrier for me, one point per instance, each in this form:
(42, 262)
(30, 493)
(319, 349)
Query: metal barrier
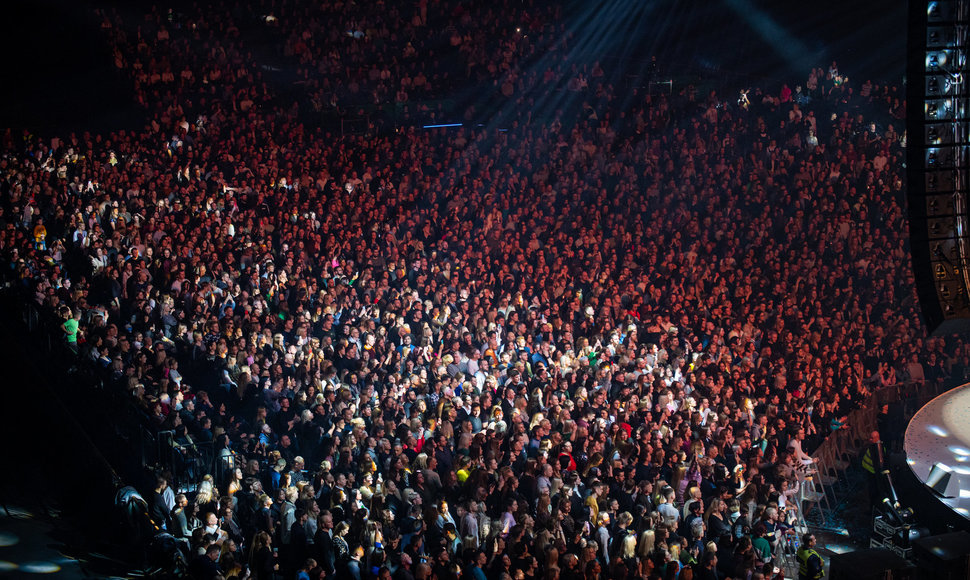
(848, 442)
(137, 437)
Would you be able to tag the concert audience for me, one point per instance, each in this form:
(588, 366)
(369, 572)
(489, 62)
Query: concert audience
(600, 341)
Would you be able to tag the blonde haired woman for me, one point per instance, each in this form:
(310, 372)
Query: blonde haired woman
(206, 497)
(627, 558)
(421, 461)
(646, 546)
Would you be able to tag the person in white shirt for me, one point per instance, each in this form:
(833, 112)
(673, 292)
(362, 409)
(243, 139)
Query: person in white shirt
(795, 446)
(667, 509)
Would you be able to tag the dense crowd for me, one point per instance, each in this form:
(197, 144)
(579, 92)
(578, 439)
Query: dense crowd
(594, 345)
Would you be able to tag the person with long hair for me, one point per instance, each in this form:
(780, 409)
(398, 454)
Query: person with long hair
(340, 546)
(192, 519)
(646, 546)
(262, 560)
(235, 482)
(749, 499)
(207, 497)
(627, 563)
(231, 568)
(443, 516)
(714, 521)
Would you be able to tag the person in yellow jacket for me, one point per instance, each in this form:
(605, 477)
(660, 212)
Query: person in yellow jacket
(810, 566)
(40, 235)
(873, 460)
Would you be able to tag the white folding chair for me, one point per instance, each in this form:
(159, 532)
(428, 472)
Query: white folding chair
(810, 494)
(827, 475)
(841, 457)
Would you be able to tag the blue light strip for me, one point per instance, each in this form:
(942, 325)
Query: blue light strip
(441, 126)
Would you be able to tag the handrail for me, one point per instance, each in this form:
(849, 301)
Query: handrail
(864, 420)
(143, 440)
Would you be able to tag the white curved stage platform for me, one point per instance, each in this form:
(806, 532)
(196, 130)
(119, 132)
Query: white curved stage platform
(939, 437)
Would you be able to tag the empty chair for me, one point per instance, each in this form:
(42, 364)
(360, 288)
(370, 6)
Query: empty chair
(810, 494)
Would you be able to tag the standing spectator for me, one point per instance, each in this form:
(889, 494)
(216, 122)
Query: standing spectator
(70, 328)
(810, 566)
(873, 462)
(262, 564)
(159, 509)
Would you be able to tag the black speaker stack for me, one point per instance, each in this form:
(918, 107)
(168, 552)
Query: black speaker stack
(938, 116)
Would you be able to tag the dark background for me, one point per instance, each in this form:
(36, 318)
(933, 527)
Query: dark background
(58, 73)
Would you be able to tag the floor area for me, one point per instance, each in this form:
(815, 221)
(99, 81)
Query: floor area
(37, 541)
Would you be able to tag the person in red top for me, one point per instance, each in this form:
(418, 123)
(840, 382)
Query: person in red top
(566, 457)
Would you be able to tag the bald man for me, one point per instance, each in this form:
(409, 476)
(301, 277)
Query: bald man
(873, 461)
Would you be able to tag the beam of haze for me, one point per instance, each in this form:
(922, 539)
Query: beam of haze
(793, 50)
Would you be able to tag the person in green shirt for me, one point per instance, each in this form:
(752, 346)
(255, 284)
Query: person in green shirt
(761, 545)
(70, 328)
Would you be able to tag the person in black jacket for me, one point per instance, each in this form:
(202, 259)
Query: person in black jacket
(262, 561)
(707, 568)
(160, 511)
(205, 566)
(298, 552)
(326, 555)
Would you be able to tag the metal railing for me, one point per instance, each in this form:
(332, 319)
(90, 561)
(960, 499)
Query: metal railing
(136, 440)
(846, 443)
